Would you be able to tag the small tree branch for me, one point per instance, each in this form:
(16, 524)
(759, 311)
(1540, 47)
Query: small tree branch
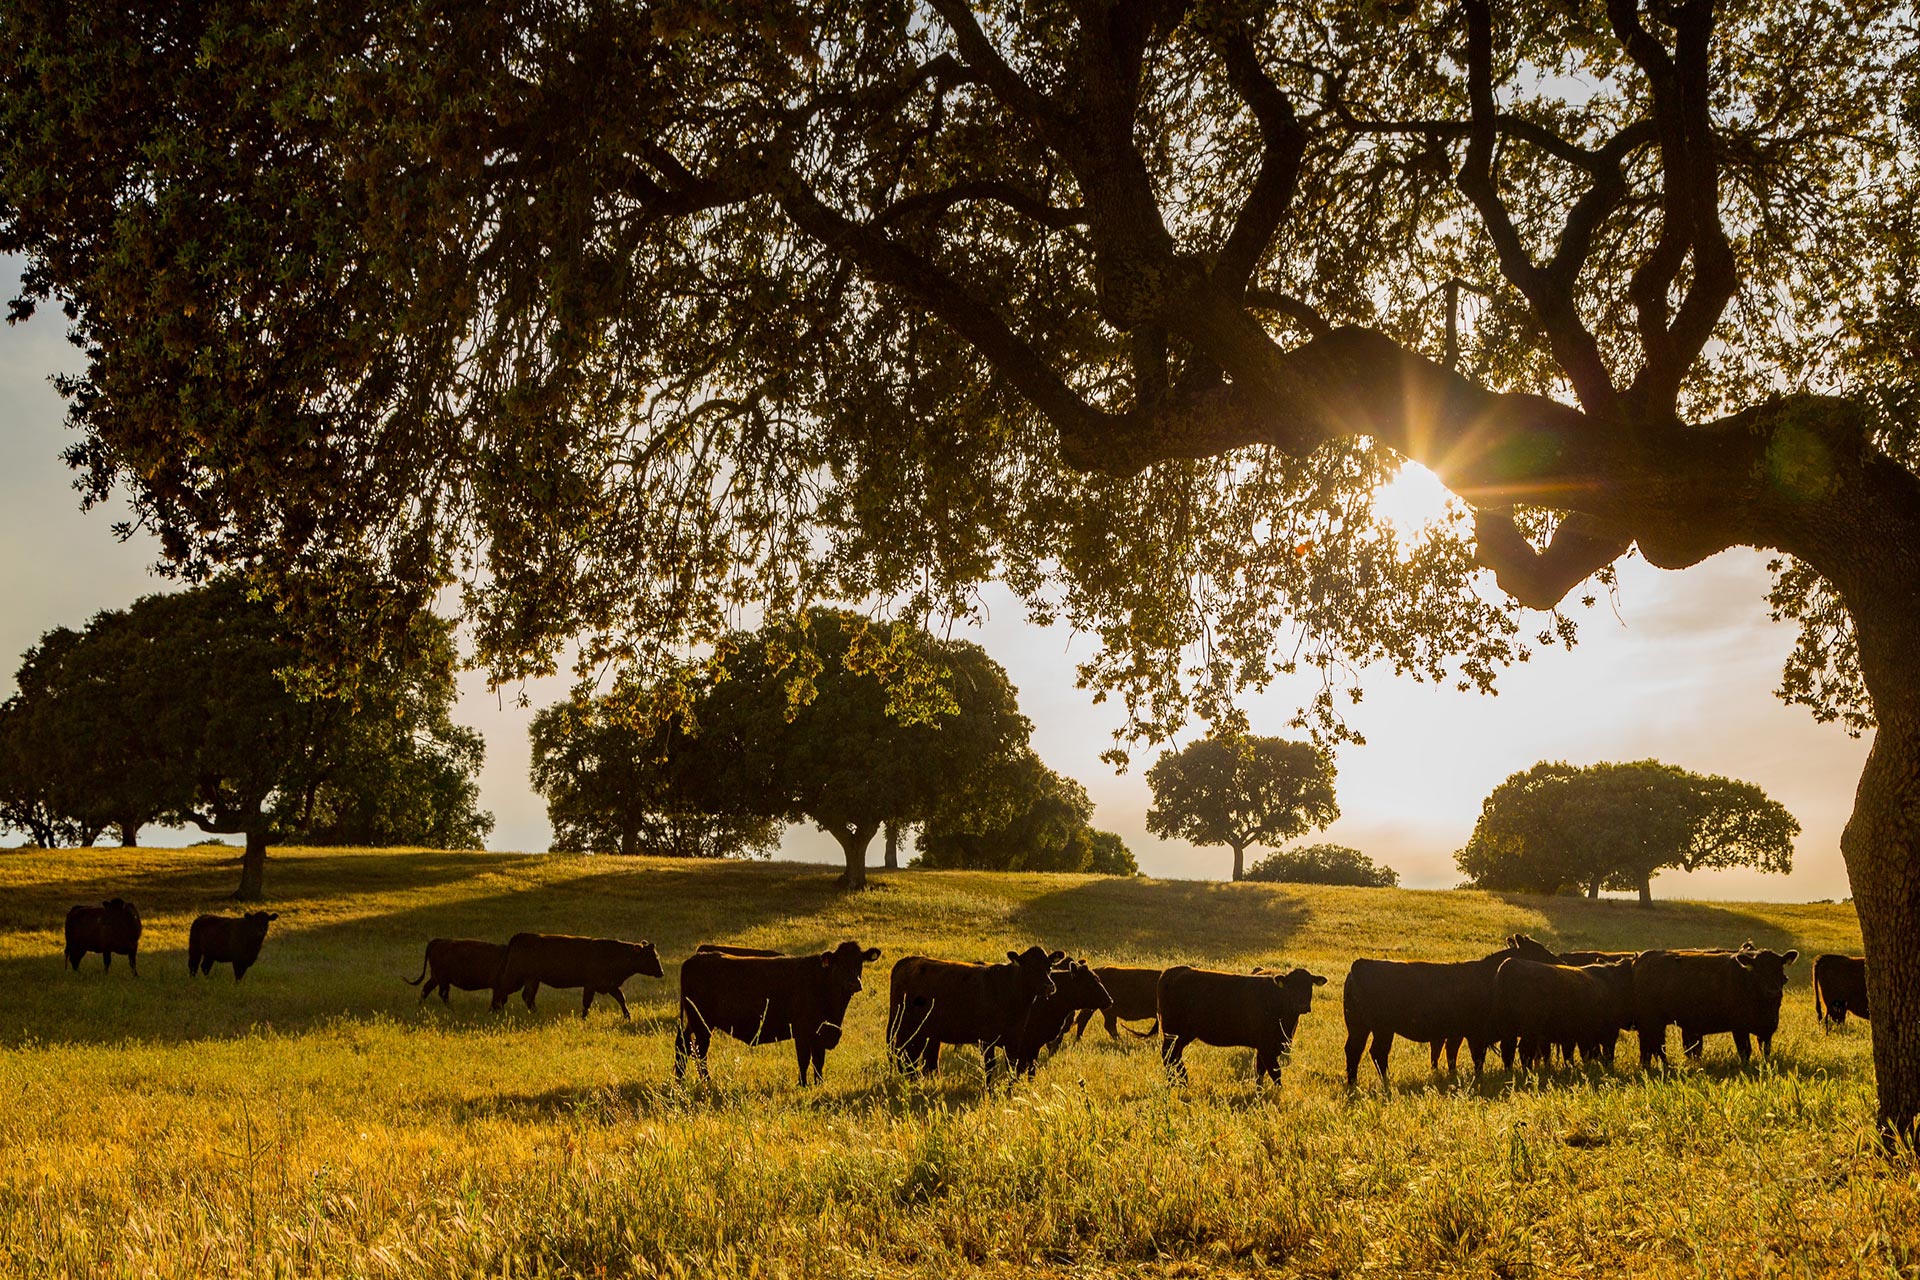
(1540, 579)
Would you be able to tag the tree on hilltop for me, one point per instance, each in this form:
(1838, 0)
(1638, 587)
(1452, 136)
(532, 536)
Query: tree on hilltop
(1021, 816)
(1241, 792)
(1615, 826)
(630, 319)
(1323, 864)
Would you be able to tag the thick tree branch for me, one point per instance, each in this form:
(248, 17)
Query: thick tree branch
(1272, 192)
(1540, 579)
(929, 205)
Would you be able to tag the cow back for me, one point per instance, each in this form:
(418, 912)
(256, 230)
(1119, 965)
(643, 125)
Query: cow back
(1135, 990)
(1707, 993)
(759, 998)
(955, 1002)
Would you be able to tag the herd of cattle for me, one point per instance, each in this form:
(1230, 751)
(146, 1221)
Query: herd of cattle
(1524, 999)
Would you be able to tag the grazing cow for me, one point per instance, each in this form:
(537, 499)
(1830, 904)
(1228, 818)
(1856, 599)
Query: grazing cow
(1737, 992)
(1257, 1011)
(763, 998)
(112, 928)
(1840, 988)
(598, 966)
(1430, 1002)
(1076, 989)
(1134, 991)
(935, 1002)
(1581, 1007)
(231, 940)
(466, 963)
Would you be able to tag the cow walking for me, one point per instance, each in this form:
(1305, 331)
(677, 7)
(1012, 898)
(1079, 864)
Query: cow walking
(1840, 988)
(1257, 1011)
(934, 1002)
(598, 966)
(466, 963)
(112, 928)
(764, 998)
(233, 940)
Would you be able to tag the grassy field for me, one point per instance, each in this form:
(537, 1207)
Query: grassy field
(316, 1120)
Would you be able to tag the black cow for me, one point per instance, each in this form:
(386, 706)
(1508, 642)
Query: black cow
(112, 928)
(1572, 1007)
(1135, 991)
(466, 963)
(1076, 988)
(935, 1002)
(233, 940)
(1257, 1011)
(1737, 992)
(1840, 988)
(598, 966)
(1427, 1001)
(765, 998)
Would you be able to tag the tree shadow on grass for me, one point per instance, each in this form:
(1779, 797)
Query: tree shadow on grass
(1167, 922)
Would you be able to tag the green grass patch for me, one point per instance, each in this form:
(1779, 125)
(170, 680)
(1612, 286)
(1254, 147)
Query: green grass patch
(316, 1120)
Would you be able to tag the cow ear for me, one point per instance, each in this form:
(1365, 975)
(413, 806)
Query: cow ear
(273, 915)
(1319, 980)
(1014, 956)
(872, 954)
(1055, 957)
(826, 959)
(1790, 957)
(1744, 959)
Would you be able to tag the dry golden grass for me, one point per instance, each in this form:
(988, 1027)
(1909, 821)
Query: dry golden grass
(315, 1120)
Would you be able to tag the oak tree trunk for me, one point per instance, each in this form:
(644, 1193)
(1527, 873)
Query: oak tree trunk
(1593, 890)
(1646, 891)
(1239, 856)
(129, 835)
(1882, 849)
(892, 858)
(253, 868)
(853, 843)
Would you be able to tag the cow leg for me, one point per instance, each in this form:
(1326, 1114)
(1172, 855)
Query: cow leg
(1356, 1047)
(1744, 1045)
(106, 962)
(1171, 1049)
(240, 970)
(586, 1000)
(133, 961)
(1766, 1044)
(1080, 1024)
(803, 1055)
(1382, 1050)
(1434, 1048)
(1266, 1062)
(930, 1056)
(446, 993)
(620, 998)
(527, 992)
(1692, 1041)
(1653, 1044)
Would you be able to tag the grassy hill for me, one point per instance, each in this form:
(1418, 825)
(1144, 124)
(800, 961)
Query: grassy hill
(316, 1120)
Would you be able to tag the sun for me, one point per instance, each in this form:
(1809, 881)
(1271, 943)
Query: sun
(1412, 500)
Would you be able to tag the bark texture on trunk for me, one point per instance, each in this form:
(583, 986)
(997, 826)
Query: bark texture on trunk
(253, 869)
(853, 843)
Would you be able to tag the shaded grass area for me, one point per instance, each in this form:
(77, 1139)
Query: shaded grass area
(315, 1119)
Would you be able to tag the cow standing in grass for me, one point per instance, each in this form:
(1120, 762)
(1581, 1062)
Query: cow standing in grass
(934, 1002)
(1135, 991)
(233, 940)
(1257, 1011)
(1706, 994)
(1572, 1007)
(763, 998)
(1076, 990)
(466, 963)
(1840, 988)
(598, 966)
(1431, 1002)
(112, 928)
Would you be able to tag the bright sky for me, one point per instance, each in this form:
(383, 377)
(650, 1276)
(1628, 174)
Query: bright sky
(1684, 673)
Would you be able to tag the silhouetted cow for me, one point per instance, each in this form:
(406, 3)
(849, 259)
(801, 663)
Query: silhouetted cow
(1432, 1002)
(1134, 990)
(1257, 1011)
(1572, 1007)
(112, 928)
(598, 966)
(233, 940)
(765, 998)
(1736, 992)
(1076, 989)
(1840, 988)
(466, 963)
(935, 1002)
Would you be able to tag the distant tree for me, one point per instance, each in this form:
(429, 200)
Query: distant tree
(1323, 864)
(27, 784)
(1615, 826)
(1241, 792)
(1021, 817)
(848, 726)
(612, 777)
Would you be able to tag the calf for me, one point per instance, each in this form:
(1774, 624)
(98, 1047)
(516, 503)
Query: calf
(466, 963)
(1581, 1007)
(1705, 994)
(1257, 1011)
(231, 940)
(1839, 988)
(1431, 1002)
(111, 928)
(935, 1002)
(764, 998)
(598, 966)
(1134, 991)
(1076, 989)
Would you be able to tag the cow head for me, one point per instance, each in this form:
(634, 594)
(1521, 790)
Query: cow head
(1036, 970)
(844, 964)
(256, 922)
(1766, 970)
(1527, 948)
(1080, 987)
(1617, 975)
(646, 961)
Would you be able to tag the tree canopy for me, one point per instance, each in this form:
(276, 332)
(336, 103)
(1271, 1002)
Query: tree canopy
(1323, 864)
(1021, 816)
(1615, 826)
(623, 320)
(188, 708)
(615, 778)
(1241, 792)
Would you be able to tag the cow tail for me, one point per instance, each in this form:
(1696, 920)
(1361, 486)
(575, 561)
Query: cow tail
(414, 982)
(1152, 1028)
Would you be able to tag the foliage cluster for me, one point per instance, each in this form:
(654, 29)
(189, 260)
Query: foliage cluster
(1241, 792)
(1323, 864)
(1021, 816)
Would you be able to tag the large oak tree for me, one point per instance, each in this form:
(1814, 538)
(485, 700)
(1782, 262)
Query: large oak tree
(625, 317)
